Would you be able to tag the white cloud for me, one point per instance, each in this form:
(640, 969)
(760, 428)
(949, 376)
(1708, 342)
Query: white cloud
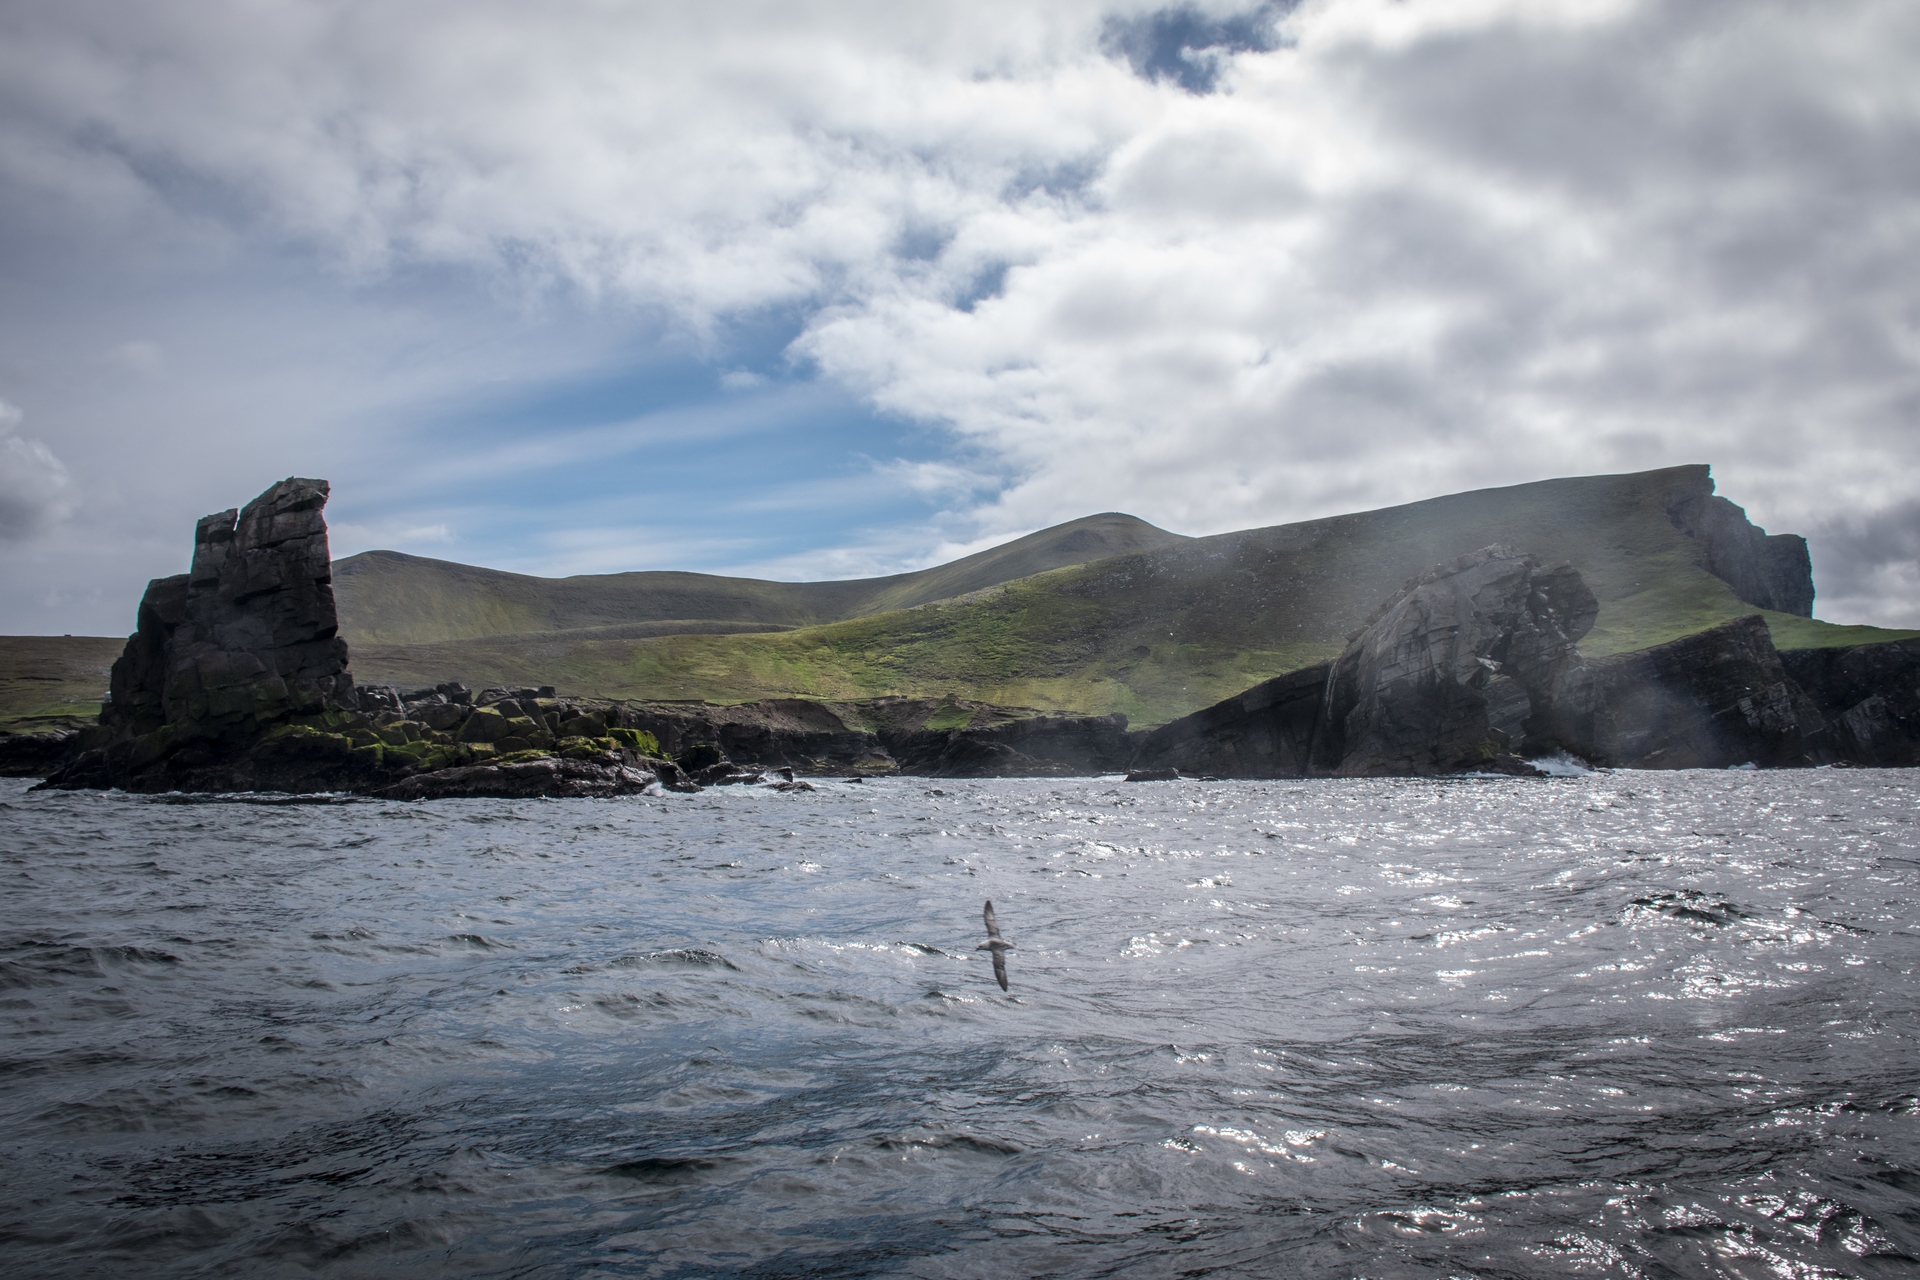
(34, 486)
(1412, 249)
(1398, 260)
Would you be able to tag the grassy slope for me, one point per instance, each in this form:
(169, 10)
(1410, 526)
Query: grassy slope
(385, 597)
(53, 682)
(1154, 634)
(1162, 633)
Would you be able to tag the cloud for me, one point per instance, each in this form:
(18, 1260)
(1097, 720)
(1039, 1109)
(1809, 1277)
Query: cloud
(1218, 264)
(1867, 566)
(34, 486)
(1429, 248)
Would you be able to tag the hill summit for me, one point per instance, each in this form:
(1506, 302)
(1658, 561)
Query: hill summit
(1102, 614)
(387, 597)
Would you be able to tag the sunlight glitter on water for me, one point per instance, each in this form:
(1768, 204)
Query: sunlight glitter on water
(1598, 1025)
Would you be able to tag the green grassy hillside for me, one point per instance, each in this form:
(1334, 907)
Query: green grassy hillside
(54, 682)
(1162, 627)
(1163, 632)
(385, 597)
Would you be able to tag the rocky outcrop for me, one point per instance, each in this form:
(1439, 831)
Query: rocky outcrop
(1772, 571)
(776, 733)
(33, 755)
(1409, 694)
(248, 636)
(928, 737)
(551, 777)
(229, 660)
(1270, 731)
(1717, 698)
(1868, 694)
(1044, 746)
(1479, 656)
(236, 680)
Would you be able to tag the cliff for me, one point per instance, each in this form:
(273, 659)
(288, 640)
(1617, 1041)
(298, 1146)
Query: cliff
(1153, 632)
(1478, 657)
(1770, 571)
(1869, 696)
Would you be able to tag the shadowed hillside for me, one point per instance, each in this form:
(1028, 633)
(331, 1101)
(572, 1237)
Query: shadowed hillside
(1099, 615)
(389, 598)
(1161, 632)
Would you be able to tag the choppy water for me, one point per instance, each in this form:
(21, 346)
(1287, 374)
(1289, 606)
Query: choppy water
(1620, 1025)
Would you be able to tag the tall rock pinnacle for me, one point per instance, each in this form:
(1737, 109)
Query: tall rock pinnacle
(248, 635)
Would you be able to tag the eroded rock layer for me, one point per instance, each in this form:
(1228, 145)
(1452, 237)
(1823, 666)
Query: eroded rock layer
(1476, 661)
(1409, 693)
(1869, 696)
(1720, 697)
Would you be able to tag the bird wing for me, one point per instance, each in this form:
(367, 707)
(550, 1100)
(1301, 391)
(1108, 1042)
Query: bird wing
(993, 926)
(1000, 967)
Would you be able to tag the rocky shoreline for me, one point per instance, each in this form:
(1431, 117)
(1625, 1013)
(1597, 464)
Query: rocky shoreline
(1474, 666)
(237, 680)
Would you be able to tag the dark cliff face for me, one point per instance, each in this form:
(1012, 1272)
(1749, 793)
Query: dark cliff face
(1481, 651)
(1870, 697)
(1270, 731)
(1409, 693)
(1771, 571)
(248, 635)
(1720, 697)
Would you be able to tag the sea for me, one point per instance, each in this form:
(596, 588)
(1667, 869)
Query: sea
(1602, 1025)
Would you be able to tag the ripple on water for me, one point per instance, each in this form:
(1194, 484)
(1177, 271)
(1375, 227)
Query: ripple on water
(1606, 1024)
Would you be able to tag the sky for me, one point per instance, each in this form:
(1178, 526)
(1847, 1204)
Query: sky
(826, 288)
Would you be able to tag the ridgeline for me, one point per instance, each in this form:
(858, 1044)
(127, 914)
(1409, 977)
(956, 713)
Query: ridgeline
(1103, 614)
(1106, 614)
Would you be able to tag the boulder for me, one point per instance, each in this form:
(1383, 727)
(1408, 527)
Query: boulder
(548, 777)
(1409, 694)
(378, 697)
(442, 717)
(33, 755)
(486, 724)
(701, 757)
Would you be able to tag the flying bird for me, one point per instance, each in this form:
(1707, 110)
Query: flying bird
(997, 945)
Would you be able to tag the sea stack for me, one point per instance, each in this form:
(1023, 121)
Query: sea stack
(248, 636)
(225, 653)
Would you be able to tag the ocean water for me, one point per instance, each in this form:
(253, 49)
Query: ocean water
(1625, 1024)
